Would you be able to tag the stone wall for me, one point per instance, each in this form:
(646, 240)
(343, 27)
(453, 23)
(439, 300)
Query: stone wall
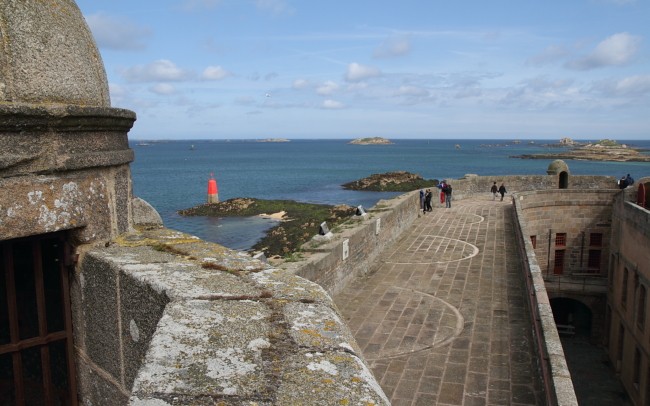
(164, 318)
(577, 213)
(473, 184)
(627, 336)
(555, 372)
(65, 169)
(354, 246)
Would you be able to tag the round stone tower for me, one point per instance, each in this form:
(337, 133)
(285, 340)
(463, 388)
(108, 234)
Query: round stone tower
(64, 161)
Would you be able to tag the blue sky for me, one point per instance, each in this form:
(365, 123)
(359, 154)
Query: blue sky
(513, 69)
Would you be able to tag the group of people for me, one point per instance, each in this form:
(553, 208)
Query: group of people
(427, 195)
(501, 190)
(625, 181)
(445, 195)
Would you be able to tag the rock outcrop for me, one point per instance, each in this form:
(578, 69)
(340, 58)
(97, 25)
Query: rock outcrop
(371, 141)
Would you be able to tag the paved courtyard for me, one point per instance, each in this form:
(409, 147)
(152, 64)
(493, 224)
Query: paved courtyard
(442, 317)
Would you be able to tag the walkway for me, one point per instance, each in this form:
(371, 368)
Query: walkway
(442, 318)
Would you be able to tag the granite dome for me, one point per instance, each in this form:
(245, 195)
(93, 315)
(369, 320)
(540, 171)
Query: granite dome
(48, 56)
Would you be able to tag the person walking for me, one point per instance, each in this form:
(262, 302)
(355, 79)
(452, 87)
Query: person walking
(502, 190)
(441, 186)
(427, 201)
(494, 191)
(421, 199)
(447, 191)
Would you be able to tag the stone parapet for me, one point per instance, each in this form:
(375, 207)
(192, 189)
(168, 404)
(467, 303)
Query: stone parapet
(165, 318)
(555, 371)
(356, 244)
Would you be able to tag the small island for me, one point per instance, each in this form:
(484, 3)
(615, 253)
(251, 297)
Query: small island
(371, 141)
(273, 140)
(400, 181)
(603, 150)
(297, 222)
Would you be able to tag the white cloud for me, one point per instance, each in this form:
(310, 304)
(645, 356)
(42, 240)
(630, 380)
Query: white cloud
(412, 91)
(300, 84)
(160, 70)
(117, 33)
(357, 72)
(163, 89)
(214, 73)
(630, 86)
(393, 47)
(615, 50)
(327, 88)
(332, 104)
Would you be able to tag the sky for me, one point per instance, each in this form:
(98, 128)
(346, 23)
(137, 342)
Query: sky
(430, 69)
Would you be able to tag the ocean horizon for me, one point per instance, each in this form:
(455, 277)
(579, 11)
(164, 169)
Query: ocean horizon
(173, 174)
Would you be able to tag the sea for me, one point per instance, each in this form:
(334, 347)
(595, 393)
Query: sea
(174, 175)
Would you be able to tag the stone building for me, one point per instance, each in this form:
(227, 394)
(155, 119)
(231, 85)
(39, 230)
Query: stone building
(627, 335)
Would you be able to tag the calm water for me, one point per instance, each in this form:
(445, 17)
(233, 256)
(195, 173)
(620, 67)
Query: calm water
(174, 175)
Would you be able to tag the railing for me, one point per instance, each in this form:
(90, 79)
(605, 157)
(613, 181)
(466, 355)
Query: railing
(576, 282)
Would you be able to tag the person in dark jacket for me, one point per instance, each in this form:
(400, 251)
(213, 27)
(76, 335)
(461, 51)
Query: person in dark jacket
(447, 191)
(427, 201)
(502, 190)
(494, 190)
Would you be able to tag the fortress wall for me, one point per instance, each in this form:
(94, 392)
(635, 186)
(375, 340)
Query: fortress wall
(574, 212)
(362, 239)
(555, 372)
(473, 184)
(628, 333)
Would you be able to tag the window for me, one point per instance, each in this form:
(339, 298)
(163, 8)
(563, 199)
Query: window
(636, 373)
(560, 240)
(593, 262)
(36, 364)
(626, 275)
(558, 268)
(619, 352)
(533, 240)
(640, 310)
(596, 239)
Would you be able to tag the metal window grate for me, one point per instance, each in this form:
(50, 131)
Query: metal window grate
(596, 239)
(560, 240)
(36, 364)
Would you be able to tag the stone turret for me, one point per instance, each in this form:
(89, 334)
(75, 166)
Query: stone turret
(65, 152)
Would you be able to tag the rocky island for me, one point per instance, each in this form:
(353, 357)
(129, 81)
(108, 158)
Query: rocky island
(603, 150)
(371, 141)
(400, 181)
(273, 140)
(297, 222)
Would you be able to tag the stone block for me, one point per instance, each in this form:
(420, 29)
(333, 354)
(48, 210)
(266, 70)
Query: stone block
(100, 312)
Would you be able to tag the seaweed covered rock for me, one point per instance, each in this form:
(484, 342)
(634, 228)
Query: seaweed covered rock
(400, 181)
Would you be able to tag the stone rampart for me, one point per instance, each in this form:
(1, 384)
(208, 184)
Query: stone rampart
(356, 244)
(555, 372)
(164, 318)
(474, 184)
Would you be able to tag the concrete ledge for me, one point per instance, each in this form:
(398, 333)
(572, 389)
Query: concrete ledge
(202, 324)
(555, 372)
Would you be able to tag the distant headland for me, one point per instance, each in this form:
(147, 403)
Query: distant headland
(273, 140)
(603, 150)
(371, 141)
